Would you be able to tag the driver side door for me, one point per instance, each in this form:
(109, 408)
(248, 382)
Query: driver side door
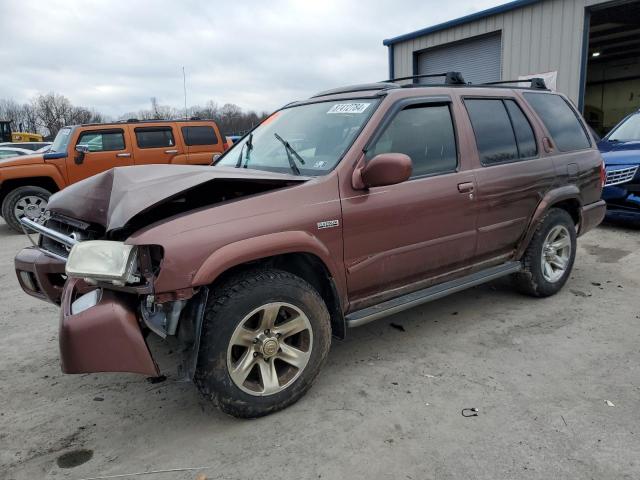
(107, 148)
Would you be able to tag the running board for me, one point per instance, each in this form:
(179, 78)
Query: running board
(410, 300)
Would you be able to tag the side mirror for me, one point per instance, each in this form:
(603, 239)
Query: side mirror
(82, 150)
(383, 169)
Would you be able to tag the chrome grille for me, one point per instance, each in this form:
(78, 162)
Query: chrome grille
(57, 235)
(621, 175)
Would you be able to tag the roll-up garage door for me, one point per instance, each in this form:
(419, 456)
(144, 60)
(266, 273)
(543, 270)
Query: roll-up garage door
(478, 58)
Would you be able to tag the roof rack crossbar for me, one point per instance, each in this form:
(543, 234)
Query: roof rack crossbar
(535, 82)
(450, 78)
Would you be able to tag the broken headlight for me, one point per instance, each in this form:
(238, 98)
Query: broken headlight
(103, 260)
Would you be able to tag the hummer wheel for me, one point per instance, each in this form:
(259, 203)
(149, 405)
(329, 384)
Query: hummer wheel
(29, 201)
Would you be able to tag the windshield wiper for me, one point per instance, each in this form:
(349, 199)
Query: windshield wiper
(249, 145)
(290, 154)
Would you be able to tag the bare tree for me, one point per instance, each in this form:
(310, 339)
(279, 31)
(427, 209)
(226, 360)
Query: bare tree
(54, 112)
(47, 114)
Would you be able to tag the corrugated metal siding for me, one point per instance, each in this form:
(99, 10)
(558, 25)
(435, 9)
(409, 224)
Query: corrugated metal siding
(537, 38)
(479, 58)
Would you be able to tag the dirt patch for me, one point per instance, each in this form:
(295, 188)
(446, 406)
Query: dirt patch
(74, 458)
(606, 254)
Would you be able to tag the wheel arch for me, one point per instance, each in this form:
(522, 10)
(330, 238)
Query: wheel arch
(566, 198)
(298, 253)
(11, 184)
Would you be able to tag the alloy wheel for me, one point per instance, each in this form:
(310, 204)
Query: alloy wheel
(30, 206)
(269, 349)
(556, 253)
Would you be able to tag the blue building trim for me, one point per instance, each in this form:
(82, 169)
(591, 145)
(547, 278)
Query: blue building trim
(459, 21)
(585, 58)
(391, 65)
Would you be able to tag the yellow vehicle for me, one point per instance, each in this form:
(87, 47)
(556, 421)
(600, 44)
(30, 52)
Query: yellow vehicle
(6, 135)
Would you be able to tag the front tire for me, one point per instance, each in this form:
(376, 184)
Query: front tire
(549, 258)
(265, 336)
(28, 201)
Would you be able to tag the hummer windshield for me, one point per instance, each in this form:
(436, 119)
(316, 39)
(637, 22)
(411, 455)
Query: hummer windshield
(62, 140)
(304, 140)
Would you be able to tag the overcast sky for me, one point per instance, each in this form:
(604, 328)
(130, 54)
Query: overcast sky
(114, 55)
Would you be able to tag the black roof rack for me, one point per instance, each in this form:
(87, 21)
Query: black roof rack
(135, 120)
(450, 78)
(357, 88)
(536, 83)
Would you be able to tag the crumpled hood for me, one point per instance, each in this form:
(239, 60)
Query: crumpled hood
(21, 160)
(114, 197)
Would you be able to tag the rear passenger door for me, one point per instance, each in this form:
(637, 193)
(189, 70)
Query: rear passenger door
(157, 144)
(107, 148)
(202, 142)
(513, 175)
(397, 236)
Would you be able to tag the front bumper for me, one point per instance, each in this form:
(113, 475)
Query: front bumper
(40, 275)
(623, 201)
(591, 215)
(105, 337)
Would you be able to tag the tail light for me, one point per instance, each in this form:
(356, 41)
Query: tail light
(603, 175)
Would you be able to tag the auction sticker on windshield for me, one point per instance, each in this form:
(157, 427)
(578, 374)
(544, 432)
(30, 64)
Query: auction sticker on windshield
(349, 108)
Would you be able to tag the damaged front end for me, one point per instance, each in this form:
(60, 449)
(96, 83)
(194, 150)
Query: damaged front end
(106, 287)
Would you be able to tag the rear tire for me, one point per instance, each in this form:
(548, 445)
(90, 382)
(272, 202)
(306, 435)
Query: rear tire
(265, 336)
(549, 258)
(29, 201)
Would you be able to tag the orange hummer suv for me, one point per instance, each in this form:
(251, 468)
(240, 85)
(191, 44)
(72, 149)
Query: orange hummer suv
(78, 152)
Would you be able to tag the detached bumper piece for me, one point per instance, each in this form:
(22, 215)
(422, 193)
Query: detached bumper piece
(104, 336)
(40, 275)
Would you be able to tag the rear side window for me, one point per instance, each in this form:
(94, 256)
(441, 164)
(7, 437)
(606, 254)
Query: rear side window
(426, 135)
(525, 138)
(102, 141)
(492, 128)
(154, 137)
(561, 120)
(200, 135)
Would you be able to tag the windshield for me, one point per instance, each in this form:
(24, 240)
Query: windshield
(627, 131)
(306, 139)
(62, 140)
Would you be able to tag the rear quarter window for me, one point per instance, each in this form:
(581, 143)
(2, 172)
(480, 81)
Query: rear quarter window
(561, 121)
(154, 137)
(199, 135)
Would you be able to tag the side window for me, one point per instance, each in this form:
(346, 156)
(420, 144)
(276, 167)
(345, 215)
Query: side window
(199, 135)
(102, 141)
(492, 128)
(560, 119)
(525, 137)
(154, 137)
(425, 134)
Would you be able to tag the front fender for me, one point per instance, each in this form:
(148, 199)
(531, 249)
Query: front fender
(264, 246)
(552, 197)
(20, 172)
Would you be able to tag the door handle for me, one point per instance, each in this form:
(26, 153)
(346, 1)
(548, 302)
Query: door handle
(171, 151)
(466, 187)
(123, 154)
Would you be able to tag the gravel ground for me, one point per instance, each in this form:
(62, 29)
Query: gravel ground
(386, 406)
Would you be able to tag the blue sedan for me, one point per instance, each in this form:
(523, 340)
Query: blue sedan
(621, 152)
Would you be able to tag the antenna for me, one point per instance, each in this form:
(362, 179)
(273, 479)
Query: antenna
(184, 86)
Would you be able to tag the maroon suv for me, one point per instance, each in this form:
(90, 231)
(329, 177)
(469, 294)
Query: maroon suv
(354, 204)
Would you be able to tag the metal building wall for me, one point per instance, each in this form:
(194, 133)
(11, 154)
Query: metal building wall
(541, 37)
